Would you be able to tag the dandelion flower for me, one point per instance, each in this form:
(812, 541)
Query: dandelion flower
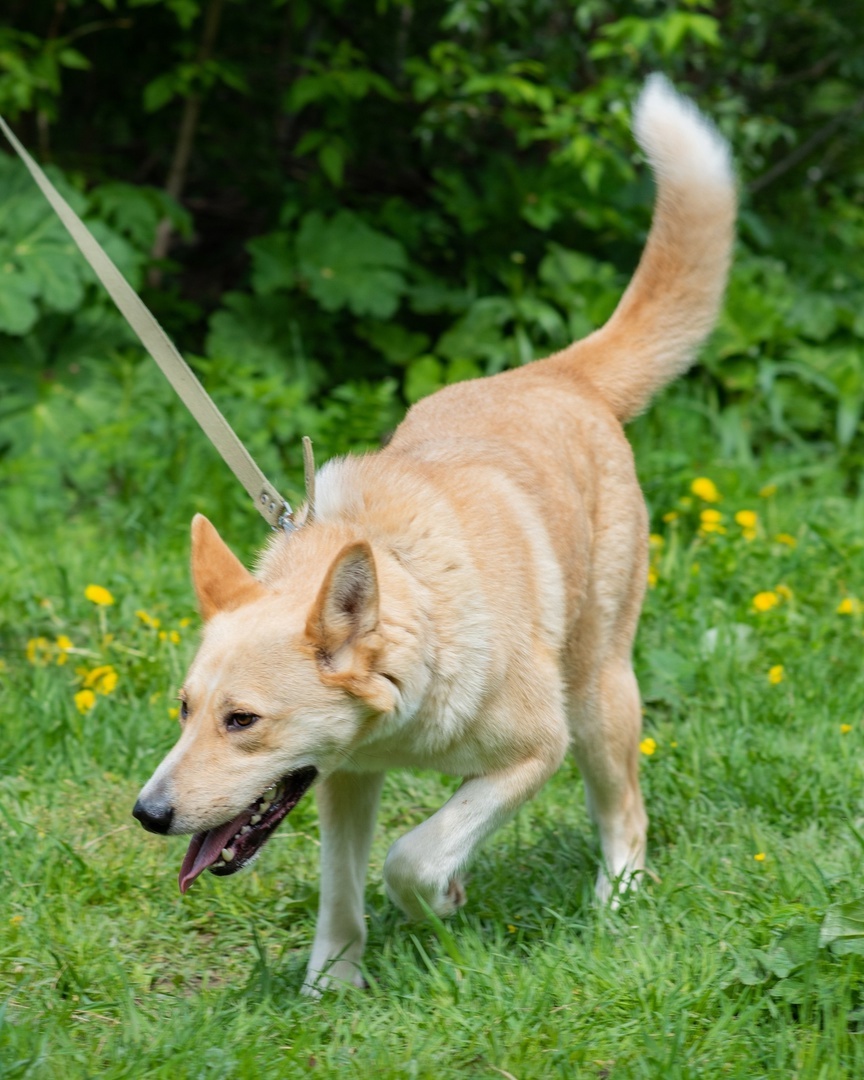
(849, 606)
(705, 489)
(37, 650)
(710, 517)
(845, 729)
(147, 619)
(776, 674)
(98, 595)
(764, 601)
(748, 534)
(184, 623)
(647, 746)
(652, 577)
(759, 856)
(785, 538)
(784, 591)
(747, 519)
(16, 920)
(85, 700)
(174, 637)
(670, 516)
(655, 540)
(767, 491)
(173, 712)
(63, 647)
(102, 679)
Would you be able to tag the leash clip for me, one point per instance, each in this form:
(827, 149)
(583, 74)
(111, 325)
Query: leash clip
(286, 521)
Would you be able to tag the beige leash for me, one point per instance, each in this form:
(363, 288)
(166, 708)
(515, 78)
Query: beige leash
(272, 507)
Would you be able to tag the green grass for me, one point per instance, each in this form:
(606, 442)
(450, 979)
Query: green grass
(715, 968)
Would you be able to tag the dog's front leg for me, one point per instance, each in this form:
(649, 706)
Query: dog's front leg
(347, 803)
(425, 865)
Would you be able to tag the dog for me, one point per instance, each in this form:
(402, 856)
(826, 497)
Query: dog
(464, 599)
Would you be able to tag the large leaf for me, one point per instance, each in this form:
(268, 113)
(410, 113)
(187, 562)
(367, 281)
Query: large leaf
(842, 928)
(345, 263)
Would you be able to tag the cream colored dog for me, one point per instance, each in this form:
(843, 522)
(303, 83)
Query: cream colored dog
(464, 600)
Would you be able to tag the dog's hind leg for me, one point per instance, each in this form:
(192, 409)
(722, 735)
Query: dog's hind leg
(606, 723)
(347, 804)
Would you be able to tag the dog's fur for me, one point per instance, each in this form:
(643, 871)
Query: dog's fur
(466, 598)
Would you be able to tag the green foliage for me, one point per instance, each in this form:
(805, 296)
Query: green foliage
(435, 192)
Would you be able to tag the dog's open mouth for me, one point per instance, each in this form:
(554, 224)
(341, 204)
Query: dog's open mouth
(229, 847)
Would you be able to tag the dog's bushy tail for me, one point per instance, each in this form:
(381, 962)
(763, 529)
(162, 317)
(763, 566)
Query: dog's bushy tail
(671, 304)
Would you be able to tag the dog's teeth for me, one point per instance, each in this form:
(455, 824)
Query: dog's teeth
(254, 819)
(265, 806)
(245, 829)
(228, 853)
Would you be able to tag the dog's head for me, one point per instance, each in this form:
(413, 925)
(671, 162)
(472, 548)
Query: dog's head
(280, 691)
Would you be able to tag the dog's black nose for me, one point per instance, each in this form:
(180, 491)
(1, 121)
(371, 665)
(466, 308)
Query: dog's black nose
(154, 818)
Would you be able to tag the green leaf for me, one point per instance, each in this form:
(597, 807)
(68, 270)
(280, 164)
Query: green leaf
(18, 313)
(345, 263)
(272, 263)
(842, 928)
(423, 376)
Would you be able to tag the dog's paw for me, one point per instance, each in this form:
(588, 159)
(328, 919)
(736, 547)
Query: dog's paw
(416, 887)
(611, 892)
(334, 976)
(453, 898)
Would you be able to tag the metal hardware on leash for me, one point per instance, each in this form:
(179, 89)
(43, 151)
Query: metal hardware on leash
(270, 504)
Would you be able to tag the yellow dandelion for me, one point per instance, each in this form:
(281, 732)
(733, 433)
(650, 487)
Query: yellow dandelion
(748, 534)
(107, 683)
(767, 491)
(845, 729)
(511, 928)
(759, 856)
(785, 538)
(16, 920)
(710, 517)
(174, 637)
(705, 489)
(102, 679)
(63, 647)
(148, 619)
(98, 595)
(747, 519)
(764, 601)
(655, 540)
(173, 712)
(647, 746)
(849, 606)
(38, 649)
(784, 591)
(670, 516)
(652, 577)
(184, 623)
(776, 674)
(85, 700)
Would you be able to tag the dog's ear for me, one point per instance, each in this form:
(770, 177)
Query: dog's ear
(347, 605)
(221, 581)
(342, 627)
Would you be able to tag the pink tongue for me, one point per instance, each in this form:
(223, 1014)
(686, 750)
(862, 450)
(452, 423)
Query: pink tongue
(205, 848)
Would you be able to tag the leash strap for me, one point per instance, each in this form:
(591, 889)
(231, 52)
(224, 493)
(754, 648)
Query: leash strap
(272, 507)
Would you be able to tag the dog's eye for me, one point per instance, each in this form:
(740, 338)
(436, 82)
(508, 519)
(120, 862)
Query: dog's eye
(184, 710)
(237, 721)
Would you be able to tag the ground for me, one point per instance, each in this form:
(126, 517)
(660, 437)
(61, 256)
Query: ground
(741, 955)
